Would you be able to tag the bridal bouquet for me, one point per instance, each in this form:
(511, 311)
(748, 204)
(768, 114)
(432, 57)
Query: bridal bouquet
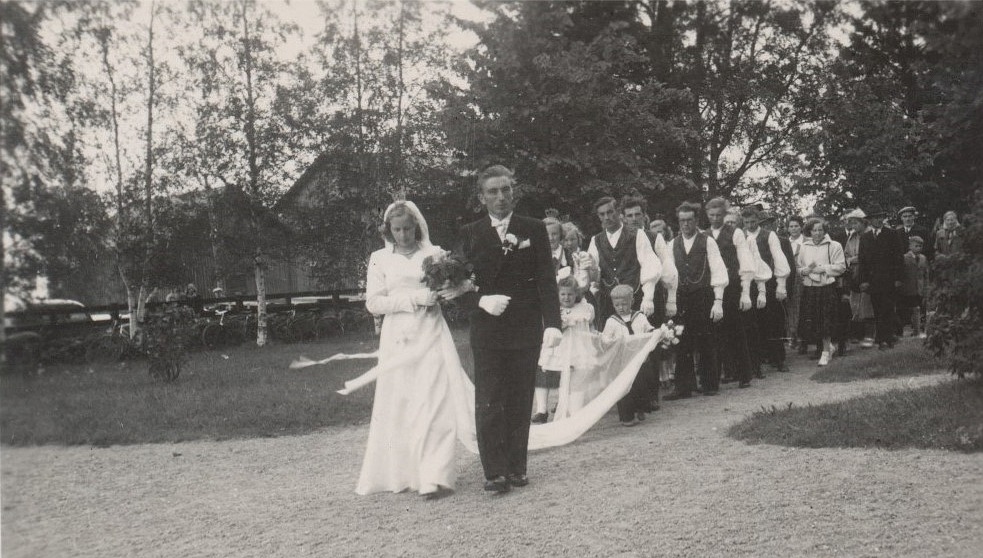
(444, 269)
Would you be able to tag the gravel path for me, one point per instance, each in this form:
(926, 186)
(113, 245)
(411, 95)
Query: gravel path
(673, 486)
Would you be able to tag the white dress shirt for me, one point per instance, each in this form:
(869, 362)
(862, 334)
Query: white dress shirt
(781, 268)
(745, 261)
(501, 225)
(669, 277)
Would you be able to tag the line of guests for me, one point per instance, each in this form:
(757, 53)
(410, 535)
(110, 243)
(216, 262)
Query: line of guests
(742, 292)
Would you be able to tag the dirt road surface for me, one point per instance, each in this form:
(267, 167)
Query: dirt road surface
(674, 486)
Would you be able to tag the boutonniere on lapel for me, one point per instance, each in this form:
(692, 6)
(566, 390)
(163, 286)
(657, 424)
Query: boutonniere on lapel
(513, 242)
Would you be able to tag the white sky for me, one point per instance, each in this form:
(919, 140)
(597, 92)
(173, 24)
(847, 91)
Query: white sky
(306, 14)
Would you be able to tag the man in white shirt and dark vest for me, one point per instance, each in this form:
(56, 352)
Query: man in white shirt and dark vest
(733, 355)
(624, 257)
(768, 343)
(700, 301)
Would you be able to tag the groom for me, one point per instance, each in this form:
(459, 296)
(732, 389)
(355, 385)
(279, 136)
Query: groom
(514, 309)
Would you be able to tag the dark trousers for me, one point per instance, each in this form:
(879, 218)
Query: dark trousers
(651, 371)
(883, 301)
(731, 349)
(638, 399)
(697, 339)
(504, 380)
(768, 342)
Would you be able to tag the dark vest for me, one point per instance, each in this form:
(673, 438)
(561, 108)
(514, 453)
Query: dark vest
(728, 252)
(693, 268)
(619, 264)
(764, 249)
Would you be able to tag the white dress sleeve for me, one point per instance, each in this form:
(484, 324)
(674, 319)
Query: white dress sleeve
(378, 299)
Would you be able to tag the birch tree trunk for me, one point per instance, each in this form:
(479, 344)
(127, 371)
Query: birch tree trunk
(258, 266)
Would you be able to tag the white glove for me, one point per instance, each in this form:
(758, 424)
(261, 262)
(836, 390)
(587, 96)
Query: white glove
(648, 307)
(717, 311)
(494, 304)
(780, 293)
(424, 297)
(551, 337)
(670, 309)
(745, 302)
(762, 300)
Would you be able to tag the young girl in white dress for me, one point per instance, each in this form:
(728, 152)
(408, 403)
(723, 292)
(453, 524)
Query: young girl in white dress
(574, 356)
(424, 401)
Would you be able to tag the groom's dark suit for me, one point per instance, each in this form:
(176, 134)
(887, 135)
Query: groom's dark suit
(506, 347)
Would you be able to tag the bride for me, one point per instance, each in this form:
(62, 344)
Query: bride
(422, 393)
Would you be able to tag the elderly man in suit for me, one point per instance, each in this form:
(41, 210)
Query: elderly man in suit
(881, 261)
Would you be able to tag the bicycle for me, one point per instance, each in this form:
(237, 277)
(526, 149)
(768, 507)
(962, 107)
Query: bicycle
(112, 346)
(231, 329)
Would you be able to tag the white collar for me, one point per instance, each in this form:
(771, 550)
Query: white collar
(615, 233)
(558, 253)
(497, 222)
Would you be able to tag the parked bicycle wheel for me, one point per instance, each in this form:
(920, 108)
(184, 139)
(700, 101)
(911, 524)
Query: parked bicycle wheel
(328, 326)
(304, 327)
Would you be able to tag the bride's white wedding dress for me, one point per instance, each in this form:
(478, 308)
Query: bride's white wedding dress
(424, 401)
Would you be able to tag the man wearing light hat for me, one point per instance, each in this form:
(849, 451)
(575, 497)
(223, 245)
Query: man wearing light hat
(910, 228)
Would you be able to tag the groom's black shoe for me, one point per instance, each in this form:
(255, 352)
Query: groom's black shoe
(498, 484)
(515, 479)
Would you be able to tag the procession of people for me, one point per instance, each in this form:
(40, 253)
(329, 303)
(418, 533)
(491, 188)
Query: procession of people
(586, 330)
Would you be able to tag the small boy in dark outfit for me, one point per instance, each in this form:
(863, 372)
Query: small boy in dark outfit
(912, 292)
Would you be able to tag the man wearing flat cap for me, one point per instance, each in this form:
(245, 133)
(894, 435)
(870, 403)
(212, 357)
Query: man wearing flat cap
(881, 273)
(910, 228)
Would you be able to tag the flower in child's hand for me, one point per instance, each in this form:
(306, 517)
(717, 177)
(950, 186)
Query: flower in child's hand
(678, 330)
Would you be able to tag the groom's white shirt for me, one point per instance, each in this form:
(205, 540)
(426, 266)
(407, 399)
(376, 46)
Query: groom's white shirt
(501, 225)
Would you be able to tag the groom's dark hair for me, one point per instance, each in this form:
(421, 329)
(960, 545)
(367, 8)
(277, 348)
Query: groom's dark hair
(495, 171)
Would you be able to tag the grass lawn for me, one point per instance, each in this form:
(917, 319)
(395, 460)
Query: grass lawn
(909, 358)
(945, 416)
(243, 392)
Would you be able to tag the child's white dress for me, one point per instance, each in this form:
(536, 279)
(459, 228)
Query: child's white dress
(575, 355)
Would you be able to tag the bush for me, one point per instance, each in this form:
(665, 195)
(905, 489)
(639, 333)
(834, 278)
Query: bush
(167, 337)
(955, 331)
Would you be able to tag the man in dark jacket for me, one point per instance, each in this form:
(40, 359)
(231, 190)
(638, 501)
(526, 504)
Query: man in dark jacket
(881, 270)
(514, 309)
(910, 228)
